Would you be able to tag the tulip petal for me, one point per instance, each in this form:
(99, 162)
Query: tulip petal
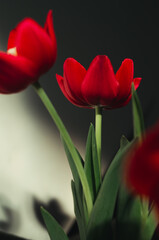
(100, 86)
(74, 74)
(34, 43)
(137, 82)
(124, 76)
(49, 27)
(60, 81)
(124, 101)
(16, 73)
(12, 39)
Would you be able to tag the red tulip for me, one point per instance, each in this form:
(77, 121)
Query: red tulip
(99, 85)
(142, 166)
(31, 52)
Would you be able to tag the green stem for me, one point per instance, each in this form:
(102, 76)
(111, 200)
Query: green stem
(46, 101)
(98, 131)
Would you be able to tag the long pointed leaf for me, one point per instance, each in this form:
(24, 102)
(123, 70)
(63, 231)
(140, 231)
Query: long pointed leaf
(100, 222)
(88, 166)
(78, 213)
(138, 119)
(49, 106)
(91, 165)
(54, 229)
(123, 142)
(132, 224)
(96, 168)
(129, 211)
(149, 227)
(78, 186)
(71, 162)
(129, 216)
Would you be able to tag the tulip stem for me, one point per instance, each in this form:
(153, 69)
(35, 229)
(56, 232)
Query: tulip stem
(77, 161)
(98, 131)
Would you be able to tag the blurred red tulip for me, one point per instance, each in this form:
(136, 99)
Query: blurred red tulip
(142, 166)
(97, 86)
(31, 52)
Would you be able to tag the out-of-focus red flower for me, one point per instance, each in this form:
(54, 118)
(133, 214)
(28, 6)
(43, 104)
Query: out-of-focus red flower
(99, 85)
(31, 52)
(142, 166)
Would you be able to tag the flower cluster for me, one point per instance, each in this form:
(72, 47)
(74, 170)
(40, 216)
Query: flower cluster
(32, 51)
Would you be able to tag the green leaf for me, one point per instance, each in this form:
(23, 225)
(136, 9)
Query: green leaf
(95, 160)
(77, 182)
(123, 141)
(138, 225)
(71, 162)
(54, 229)
(88, 166)
(81, 211)
(124, 204)
(78, 213)
(91, 165)
(128, 209)
(100, 223)
(129, 215)
(149, 227)
(138, 119)
(77, 161)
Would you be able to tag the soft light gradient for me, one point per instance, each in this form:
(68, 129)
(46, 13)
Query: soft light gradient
(33, 164)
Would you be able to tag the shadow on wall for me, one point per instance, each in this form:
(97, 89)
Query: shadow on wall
(9, 217)
(54, 208)
(10, 220)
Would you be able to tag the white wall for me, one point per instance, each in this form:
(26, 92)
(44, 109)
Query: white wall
(32, 164)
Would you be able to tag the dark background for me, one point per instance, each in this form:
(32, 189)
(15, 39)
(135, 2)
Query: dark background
(117, 28)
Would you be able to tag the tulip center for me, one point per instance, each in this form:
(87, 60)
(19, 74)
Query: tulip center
(12, 51)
